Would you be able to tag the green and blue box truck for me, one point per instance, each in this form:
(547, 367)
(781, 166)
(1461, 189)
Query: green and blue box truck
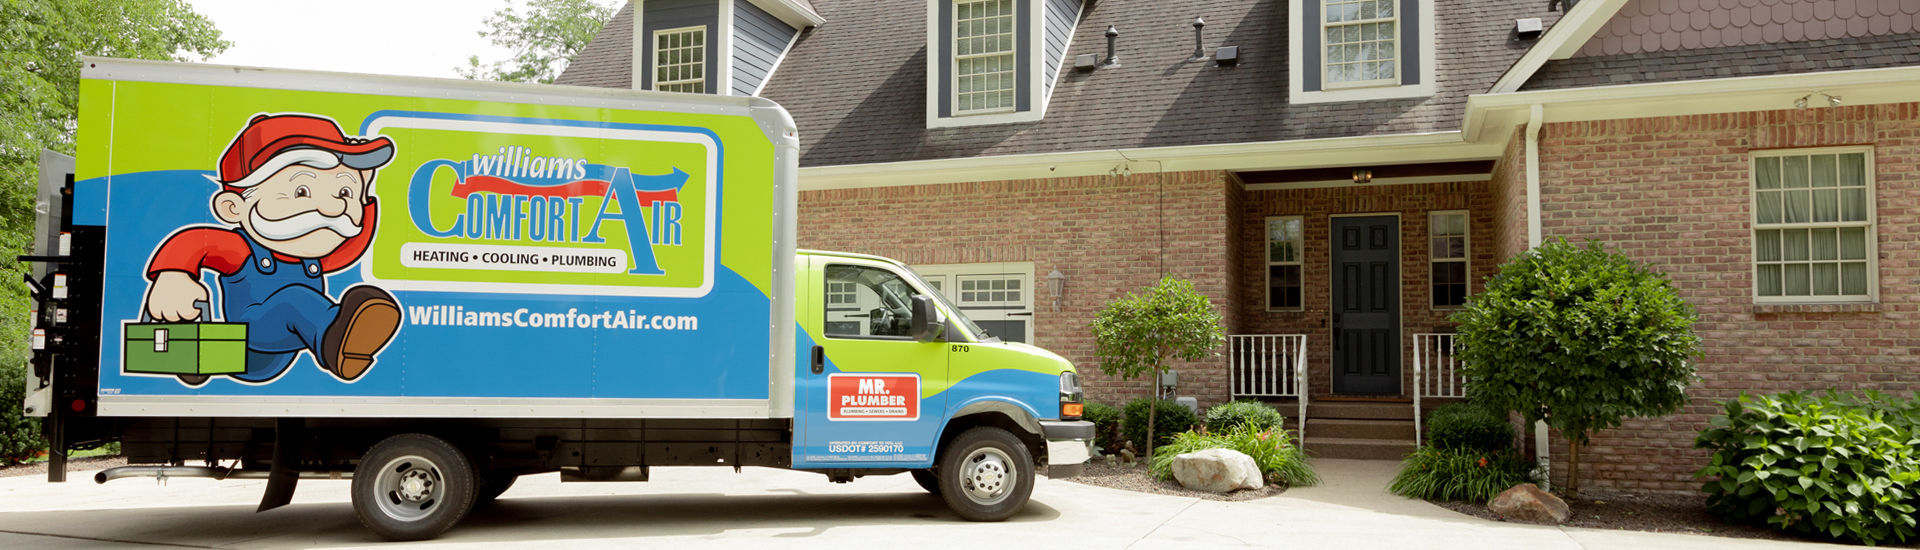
(437, 286)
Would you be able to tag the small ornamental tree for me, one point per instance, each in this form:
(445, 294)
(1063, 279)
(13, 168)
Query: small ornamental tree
(1141, 333)
(1580, 338)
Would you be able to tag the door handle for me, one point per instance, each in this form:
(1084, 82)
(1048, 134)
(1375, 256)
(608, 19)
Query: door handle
(1021, 314)
(819, 359)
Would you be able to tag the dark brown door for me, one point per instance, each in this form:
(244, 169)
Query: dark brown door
(1366, 305)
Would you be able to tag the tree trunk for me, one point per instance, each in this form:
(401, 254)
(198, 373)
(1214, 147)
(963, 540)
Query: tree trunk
(1153, 406)
(1573, 469)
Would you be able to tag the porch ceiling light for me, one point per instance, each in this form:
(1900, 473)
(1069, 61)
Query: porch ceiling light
(1362, 175)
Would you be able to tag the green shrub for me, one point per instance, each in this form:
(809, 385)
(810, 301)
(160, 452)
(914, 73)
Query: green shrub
(1473, 475)
(1172, 418)
(19, 434)
(1272, 449)
(1106, 424)
(1469, 427)
(1227, 416)
(1830, 466)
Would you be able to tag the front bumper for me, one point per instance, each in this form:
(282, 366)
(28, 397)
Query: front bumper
(1069, 446)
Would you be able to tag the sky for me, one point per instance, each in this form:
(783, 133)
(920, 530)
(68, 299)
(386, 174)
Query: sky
(400, 37)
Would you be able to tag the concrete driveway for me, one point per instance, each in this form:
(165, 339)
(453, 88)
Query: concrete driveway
(762, 508)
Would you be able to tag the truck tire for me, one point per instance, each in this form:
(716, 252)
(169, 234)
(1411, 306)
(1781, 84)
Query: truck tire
(412, 487)
(927, 480)
(986, 474)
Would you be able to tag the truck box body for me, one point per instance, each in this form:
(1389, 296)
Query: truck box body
(566, 254)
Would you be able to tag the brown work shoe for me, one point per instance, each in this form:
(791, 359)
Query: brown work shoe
(367, 320)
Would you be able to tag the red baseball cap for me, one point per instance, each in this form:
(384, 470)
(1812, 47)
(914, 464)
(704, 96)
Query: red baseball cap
(295, 139)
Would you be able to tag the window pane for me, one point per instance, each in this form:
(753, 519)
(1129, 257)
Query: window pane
(1853, 278)
(1796, 280)
(1283, 286)
(1798, 206)
(1826, 279)
(1768, 277)
(1766, 206)
(1795, 244)
(1853, 243)
(1853, 205)
(1823, 173)
(1386, 8)
(1853, 169)
(1826, 205)
(1825, 244)
(1766, 246)
(1796, 172)
(1767, 173)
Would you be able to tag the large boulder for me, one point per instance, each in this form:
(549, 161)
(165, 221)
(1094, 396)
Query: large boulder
(1526, 502)
(1217, 470)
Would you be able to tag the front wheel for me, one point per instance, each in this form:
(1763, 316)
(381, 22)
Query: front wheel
(412, 487)
(986, 474)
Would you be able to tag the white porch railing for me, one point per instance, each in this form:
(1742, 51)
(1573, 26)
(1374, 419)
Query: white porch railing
(1435, 374)
(1270, 365)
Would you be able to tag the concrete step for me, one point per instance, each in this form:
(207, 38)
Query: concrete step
(1394, 430)
(1362, 449)
(1359, 410)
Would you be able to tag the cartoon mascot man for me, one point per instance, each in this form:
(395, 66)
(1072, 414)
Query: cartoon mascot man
(298, 193)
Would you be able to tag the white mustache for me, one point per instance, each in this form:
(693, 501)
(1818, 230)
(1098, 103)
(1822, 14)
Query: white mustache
(302, 224)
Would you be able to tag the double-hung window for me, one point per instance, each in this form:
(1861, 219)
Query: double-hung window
(984, 64)
(1284, 261)
(1362, 46)
(1813, 234)
(1449, 258)
(680, 60)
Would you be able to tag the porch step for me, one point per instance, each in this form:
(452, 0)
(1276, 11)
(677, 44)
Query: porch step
(1359, 410)
(1395, 430)
(1361, 449)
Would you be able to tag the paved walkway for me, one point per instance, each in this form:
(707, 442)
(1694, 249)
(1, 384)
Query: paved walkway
(761, 508)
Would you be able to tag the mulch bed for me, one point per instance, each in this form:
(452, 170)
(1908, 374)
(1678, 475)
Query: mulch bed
(1136, 478)
(1658, 513)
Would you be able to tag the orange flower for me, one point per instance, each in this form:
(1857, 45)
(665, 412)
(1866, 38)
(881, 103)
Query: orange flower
(1483, 462)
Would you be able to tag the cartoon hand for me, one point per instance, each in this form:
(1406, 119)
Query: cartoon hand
(172, 296)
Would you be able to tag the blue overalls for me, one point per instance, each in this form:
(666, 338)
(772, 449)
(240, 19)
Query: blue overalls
(284, 305)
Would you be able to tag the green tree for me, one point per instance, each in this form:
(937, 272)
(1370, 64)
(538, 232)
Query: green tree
(1578, 337)
(41, 42)
(1141, 333)
(544, 39)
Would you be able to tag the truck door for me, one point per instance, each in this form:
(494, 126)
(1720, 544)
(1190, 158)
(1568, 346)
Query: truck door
(869, 395)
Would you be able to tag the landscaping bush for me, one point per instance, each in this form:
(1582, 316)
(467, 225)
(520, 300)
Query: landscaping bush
(1106, 424)
(1468, 474)
(19, 434)
(1171, 418)
(1227, 416)
(1468, 426)
(1272, 449)
(1832, 466)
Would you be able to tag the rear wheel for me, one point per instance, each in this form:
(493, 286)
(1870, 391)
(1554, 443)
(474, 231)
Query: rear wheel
(927, 480)
(986, 474)
(412, 487)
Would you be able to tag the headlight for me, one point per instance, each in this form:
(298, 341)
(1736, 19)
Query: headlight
(1070, 396)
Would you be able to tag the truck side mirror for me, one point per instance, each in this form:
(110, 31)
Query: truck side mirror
(929, 325)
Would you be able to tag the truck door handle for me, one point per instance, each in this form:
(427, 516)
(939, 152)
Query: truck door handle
(1021, 314)
(819, 359)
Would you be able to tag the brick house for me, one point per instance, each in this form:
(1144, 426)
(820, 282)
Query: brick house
(1347, 171)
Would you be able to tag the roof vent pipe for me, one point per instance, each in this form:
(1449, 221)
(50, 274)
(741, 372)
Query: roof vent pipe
(1112, 59)
(1199, 51)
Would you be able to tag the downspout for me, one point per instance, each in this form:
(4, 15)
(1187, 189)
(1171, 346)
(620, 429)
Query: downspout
(1535, 237)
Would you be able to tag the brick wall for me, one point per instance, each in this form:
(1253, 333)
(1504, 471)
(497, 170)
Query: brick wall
(1673, 192)
(1316, 206)
(1107, 234)
(1509, 201)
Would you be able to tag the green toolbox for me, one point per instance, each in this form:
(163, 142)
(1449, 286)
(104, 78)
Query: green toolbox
(186, 348)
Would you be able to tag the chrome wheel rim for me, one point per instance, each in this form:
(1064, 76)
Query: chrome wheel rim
(987, 476)
(411, 487)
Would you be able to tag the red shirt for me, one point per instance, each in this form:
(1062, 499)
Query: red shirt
(226, 250)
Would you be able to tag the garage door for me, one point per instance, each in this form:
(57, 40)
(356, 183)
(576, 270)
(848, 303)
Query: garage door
(997, 296)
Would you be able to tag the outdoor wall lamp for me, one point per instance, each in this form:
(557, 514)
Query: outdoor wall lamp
(1056, 285)
(1832, 100)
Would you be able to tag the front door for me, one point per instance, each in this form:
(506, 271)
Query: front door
(1366, 305)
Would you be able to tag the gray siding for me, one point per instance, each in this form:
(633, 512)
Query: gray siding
(658, 15)
(759, 39)
(1062, 16)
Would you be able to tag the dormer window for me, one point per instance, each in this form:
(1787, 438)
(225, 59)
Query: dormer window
(984, 62)
(680, 60)
(1357, 50)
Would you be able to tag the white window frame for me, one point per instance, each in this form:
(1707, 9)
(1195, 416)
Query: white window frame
(1871, 224)
(1299, 260)
(701, 64)
(1012, 55)
(1466, 254)
(1326, 80)
(1296, 82)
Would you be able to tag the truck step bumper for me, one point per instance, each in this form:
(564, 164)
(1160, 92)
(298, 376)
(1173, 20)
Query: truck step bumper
(1069, 446)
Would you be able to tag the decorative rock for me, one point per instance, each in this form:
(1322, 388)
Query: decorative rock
(1526, 502)
(1217, 470)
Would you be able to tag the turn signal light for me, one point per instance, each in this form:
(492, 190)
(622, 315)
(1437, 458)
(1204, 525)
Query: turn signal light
(1071, 410)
